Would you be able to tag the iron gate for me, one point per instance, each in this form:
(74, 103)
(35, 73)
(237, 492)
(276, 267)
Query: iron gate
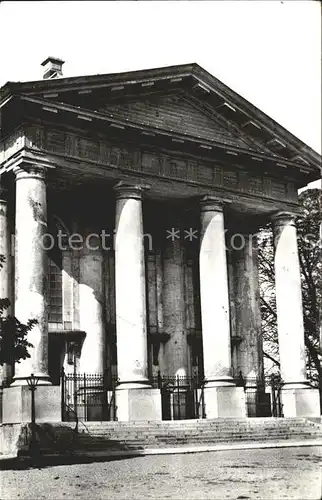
(182, 397)
(259, 401)
(275, 382)
(88, 397)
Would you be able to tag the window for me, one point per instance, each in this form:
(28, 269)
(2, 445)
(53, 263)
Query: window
(55, 292)
(55, 278)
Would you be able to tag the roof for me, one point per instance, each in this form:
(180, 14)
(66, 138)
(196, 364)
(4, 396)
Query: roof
(248, 127)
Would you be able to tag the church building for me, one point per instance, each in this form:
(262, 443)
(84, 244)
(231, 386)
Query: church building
(129, 209)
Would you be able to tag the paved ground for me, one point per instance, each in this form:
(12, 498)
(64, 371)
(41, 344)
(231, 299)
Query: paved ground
(286, 473)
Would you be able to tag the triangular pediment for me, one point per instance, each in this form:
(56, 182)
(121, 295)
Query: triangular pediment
(175, 113)
(179, 101)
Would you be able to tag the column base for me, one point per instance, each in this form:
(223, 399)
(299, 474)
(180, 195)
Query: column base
(138, 404)
(226, 401)
(220, 382)
(300, 401)
(22, 381)
(142, 384)
(16, 404)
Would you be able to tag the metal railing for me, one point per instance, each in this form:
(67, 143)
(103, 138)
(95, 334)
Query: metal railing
(182, 397)
(88, 397)
(263, 397)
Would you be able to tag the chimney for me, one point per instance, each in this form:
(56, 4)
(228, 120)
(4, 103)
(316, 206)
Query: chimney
(52, 68)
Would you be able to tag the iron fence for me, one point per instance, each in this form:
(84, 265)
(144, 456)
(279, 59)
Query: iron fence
(88, 397)
(182, 397)
(263, 397)
(275, 383)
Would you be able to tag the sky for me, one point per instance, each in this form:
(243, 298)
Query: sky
(267, 51)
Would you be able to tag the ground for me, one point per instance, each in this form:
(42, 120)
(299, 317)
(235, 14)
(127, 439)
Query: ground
(285, 473)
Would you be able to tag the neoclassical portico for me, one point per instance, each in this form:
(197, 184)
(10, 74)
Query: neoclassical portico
(183, 304)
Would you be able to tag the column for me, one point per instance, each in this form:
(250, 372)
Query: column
(248, 322)
(91, 316)
(135, 398)
(30, 301)
(297, 397)
(222, 398)
(31, 269)
(5, 268)
(174, 309)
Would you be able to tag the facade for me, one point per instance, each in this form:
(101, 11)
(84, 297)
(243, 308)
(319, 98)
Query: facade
(135, 200)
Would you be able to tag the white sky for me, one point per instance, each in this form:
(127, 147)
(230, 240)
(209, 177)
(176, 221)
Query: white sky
(267, 51)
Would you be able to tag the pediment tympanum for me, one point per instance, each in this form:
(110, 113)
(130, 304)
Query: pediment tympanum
(175, 114)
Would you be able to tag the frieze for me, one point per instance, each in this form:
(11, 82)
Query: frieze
(291, 191)
(267, 186)
(278, 189)
(230, 179)
(102, 152)
(255, 185)
(218, 176)
(243, 181)
(12, 144)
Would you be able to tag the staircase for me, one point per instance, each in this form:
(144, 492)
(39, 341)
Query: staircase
(99, 438)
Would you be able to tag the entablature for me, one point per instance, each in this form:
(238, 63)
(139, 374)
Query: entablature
(78, 157)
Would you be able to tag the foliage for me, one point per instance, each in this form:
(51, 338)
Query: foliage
(13, 334)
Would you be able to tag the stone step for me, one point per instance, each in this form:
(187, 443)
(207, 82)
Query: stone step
(185, 432)
(199, 428)
(157, 442)
(139, 435)
(206, 435)
(245, 428)
(210, 437)
(147, 432)
(196, 422)
(193, 423)
(114, 436)
(176, 442)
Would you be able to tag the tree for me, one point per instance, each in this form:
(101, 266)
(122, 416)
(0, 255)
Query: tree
(308, 230)
(13, 334)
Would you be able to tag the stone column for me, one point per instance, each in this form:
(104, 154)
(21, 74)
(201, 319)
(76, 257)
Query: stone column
(248, 321)
(91, 317)
(297, 397)
(135, 398)
(31, 269)
(5, 270)
(222, 398)
(174, 307)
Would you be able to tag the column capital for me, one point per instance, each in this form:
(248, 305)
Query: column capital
(283, 218)
(125, 190)
(211, 204)
(28, 171)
